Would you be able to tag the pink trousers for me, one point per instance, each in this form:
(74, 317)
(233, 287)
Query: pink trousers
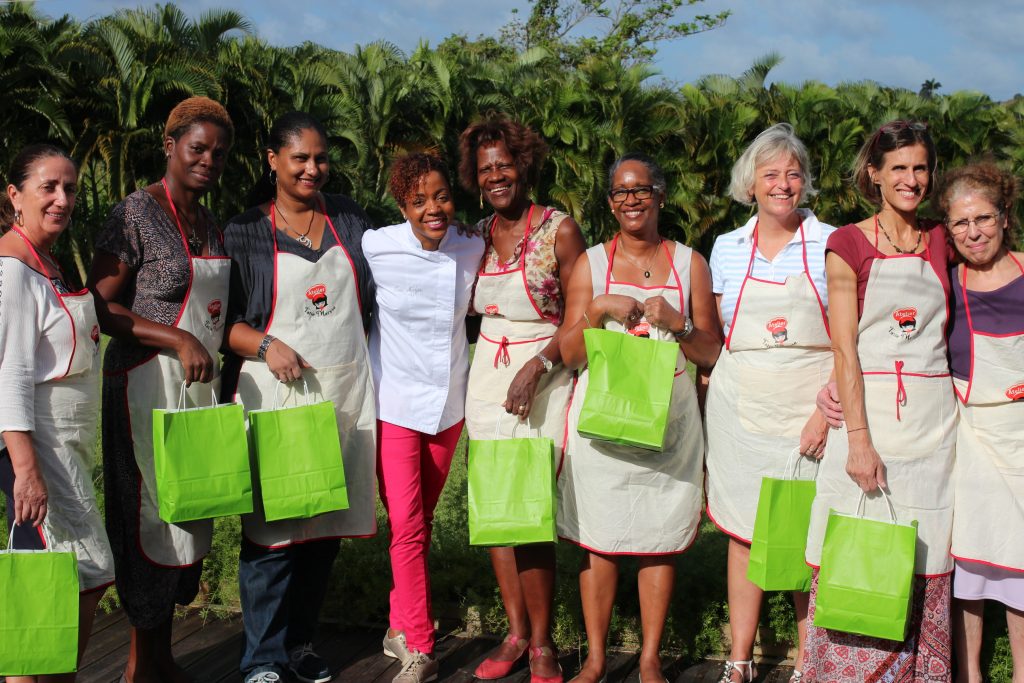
(412, 468)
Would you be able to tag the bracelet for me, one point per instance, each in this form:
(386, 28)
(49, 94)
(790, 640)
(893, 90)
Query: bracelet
(848, 431)
(261, 352)
(587, 320)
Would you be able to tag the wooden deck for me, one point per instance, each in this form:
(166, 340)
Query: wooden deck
(209, 647)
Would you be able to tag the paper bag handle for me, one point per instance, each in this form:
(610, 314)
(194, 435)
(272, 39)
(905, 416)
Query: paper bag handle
(47, 538)
(277, 387)
(888, 502)
(181, 397)
(497, 424)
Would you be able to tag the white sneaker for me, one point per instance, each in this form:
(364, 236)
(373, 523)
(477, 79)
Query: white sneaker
(419, 668)
(395, 647)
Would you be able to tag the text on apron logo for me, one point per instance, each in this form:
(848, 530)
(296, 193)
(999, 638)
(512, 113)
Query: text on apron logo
(1016, 392)
(777, 327)
(906, 319)
(318, 305)
(491, 309)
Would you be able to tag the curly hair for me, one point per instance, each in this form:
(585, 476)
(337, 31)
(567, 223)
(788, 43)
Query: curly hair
(890, 137)
(526, 147)
(188, 113)
(997, 186)
(407, 171)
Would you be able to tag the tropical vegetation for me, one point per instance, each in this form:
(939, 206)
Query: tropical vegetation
(103, 88)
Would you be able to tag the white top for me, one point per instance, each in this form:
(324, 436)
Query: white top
(731, 256)
(36, 341)
(418, 349)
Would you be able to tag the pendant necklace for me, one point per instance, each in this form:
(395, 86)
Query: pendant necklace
(195, 242)
(893, 244)
(647, 270)
(302, 238)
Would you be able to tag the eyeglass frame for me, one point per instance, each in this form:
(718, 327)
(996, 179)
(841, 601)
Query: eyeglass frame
(626, 191)
(967, 222)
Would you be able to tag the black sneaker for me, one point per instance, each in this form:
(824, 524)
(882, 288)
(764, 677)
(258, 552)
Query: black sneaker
(308, 666)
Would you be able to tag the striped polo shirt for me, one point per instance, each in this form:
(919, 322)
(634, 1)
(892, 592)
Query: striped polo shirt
(731, 255)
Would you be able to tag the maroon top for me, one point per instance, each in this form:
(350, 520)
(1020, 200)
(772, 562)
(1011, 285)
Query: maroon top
(1000, 311)
(854, 247)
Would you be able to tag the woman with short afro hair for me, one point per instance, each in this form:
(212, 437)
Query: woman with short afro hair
(160, 278)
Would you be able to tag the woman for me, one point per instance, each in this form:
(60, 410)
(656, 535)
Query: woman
(160, 277)
(986, 359)
(619, 500)
(887, 288)
(424, 272)
(517, 368)
(49, 343)
(768, 278)
(299, 283)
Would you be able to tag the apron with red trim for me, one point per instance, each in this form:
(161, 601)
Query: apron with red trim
(762, 391)
(988, 486)
(156, 383)
(512, 332)
(66, 413)
(629, 501)
(910, 408)
(317, 312)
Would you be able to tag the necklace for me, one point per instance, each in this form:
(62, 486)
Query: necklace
(302, 238)
(195, 242)
(893, 244)
(647, 269)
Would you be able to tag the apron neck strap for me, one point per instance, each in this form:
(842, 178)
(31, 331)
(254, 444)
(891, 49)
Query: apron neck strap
(39, 260)
(174, 215)
(526, 232)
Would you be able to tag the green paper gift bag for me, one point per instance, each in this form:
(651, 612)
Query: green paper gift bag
(780, 531)
(38, 611)
(298, 458)
(201, 460)
(511, 491)
(629, 388)
(867, 572)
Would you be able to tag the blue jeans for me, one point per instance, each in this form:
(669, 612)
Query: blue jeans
(281, 591)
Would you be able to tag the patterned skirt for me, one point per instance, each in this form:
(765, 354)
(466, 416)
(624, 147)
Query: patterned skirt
(924, 656)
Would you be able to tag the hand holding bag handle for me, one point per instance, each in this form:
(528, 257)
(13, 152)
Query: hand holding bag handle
(277, 387)
(792, 470)
(497, 430)
(888, 502)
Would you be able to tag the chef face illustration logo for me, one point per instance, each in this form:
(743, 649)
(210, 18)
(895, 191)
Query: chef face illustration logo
(94, 334)
(905, 322)
(213, 309)
(491, 309)
(1016, 392)
(777, 328)
(317, 304)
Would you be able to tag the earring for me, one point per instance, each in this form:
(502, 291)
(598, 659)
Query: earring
(661, 206)
(18, 218)
(481, 199)
(272, 176)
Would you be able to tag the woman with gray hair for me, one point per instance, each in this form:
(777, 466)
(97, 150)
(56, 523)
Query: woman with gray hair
(768, 278)
(617, 500)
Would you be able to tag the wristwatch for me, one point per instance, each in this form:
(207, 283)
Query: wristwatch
(548, 365)
(686, 331)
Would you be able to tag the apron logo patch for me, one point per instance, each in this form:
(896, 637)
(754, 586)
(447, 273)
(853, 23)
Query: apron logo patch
(906, 322)
(777, 328)
(642, 329)
(214, 309)
(491, 309)
(318, 305)
(1016, 392)
(94, 334)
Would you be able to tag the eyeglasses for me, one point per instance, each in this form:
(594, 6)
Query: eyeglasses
(985, 221)
(641, 192)
(902, 124)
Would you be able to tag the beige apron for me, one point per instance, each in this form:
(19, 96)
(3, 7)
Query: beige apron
(628, 501)
(988, 486)
(762, 392)
(910, 408)
(316, 310)
(156, 383)
(513, 331)
(66, 412)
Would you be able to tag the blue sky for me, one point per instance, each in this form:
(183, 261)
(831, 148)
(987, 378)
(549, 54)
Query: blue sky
(965, 45)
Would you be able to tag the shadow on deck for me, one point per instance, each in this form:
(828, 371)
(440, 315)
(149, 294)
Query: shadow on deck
(209, 648)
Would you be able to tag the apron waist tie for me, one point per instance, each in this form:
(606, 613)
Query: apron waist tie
(901, 391)
(502, 353)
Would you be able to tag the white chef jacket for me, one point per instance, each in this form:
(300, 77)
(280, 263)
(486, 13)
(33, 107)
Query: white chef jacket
(418, 350)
